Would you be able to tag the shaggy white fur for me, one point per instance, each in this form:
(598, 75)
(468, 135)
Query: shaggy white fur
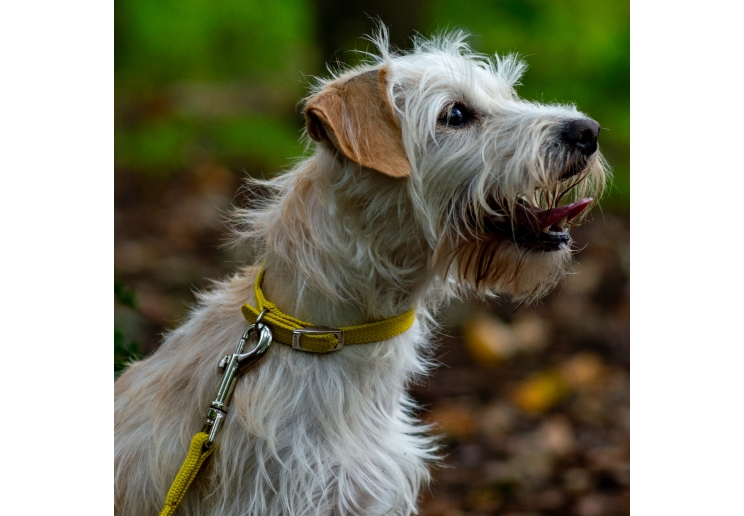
(430, 178)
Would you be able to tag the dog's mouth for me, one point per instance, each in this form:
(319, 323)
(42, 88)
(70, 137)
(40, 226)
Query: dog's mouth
(534, 227)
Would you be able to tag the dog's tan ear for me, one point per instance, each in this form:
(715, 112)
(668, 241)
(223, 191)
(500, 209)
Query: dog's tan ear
(357, 118)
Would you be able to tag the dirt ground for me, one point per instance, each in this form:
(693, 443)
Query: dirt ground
(531, 402)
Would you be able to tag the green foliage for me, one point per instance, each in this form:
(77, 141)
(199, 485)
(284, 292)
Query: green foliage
(124, 295)
(165, 44)
(164, 145)
(125, 349)
(165, 41)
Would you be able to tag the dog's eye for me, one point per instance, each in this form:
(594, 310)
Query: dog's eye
(456, 116)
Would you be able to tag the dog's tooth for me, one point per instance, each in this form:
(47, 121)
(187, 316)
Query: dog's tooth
(562, 223)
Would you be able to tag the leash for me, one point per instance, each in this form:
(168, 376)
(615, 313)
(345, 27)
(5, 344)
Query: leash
(202, 443)
(269, 324)
(305, 336)
(190, 467)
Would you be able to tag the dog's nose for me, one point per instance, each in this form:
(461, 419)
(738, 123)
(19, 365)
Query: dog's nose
(582, 134)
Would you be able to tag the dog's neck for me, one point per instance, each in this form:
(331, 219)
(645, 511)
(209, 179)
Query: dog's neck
(342, 246)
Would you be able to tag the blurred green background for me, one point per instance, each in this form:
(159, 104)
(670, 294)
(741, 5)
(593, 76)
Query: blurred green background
(219, 82)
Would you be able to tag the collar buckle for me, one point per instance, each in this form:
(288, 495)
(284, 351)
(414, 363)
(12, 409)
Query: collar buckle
(317, 330)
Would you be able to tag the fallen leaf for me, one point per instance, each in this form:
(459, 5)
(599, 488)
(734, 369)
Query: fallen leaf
(556, 435)
(540, 391)
(457, 421)
(489, 340)
(582, 370)
(532, 333)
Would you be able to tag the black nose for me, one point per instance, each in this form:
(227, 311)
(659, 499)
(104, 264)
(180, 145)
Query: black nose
(582, 134)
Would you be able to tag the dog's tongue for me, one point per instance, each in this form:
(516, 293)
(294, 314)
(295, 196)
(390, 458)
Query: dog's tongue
(537, 219)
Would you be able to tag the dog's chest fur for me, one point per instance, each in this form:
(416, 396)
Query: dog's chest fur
(305, 434)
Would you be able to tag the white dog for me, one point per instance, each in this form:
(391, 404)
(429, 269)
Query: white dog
(430, 177)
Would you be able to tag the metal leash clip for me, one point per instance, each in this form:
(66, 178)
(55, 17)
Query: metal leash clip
(233, 365)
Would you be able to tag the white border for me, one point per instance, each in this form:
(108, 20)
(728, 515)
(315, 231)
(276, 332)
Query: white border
(687, 344)
(56, 216)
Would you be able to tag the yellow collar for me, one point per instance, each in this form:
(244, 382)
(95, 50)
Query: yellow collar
(305, 336)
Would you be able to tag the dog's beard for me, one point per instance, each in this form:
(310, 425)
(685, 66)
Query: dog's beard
(519, 244)
(497, 266)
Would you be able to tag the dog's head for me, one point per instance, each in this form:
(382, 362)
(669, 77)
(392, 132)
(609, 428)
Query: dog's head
(494, 181)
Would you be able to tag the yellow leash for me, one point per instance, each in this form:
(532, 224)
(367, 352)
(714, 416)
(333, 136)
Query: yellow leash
(202, 444)
(269, 324)
(305, 336)
(190, 467)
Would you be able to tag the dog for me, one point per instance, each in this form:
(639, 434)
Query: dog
(429, 179)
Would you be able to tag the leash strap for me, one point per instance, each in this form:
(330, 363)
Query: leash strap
(305, 336)
(202, 444)
(190, 467)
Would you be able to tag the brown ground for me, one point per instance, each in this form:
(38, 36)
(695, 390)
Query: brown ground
(532, 405)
